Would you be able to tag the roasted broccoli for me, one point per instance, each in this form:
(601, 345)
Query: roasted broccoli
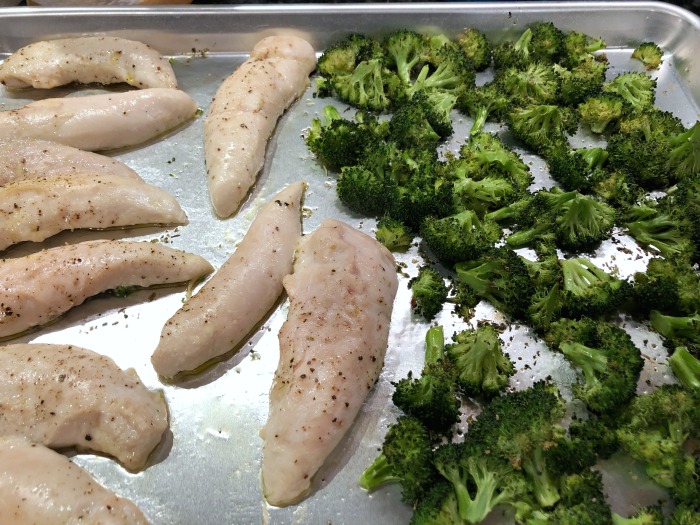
(476, 46)
(428, 292)
(393, 234)
(459, 237)
(501, 278)
(637, 89)
(589, 291)
(542, 126)
(607, 357)
(481, 367)
(601, 113)
(686, 368)
(405, 50)
(484, 103)
(649, 54)
(671, 286)
(406, 458)
(432, 397)
(658, 427)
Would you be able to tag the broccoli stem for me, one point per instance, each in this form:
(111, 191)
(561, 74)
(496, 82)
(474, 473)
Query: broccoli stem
(543, 487)
(378, 473)
(434, 344)
(672, 327)
(686, 368)
(485, 498)
(479, 120)
(590, 360)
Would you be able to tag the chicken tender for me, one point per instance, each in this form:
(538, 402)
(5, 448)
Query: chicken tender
(244, 113)
(67, 396)
(332, 348)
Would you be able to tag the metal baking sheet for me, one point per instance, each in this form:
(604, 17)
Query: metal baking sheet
(206, 471)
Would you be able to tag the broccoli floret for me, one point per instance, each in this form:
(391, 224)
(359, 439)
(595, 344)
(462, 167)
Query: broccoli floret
(447, 69)
(520, 427)
(683, 203)
(645, 162)
(405, 50)
(476, 46)
(438, 507)
(481, 481)
(659, 425)
(576, 169)
(459, 237)
(406, 458)
(645, 516)
(365, 191)
(428, 292)
(366, 87)
(431, 398)
(540, 42)
(547, 301)
(581, 82)
(590, 291)
(615, 188)
(685, 515)
(542, 126)
(582, 500)
(684, 158)
(335, 141)
(638, 89)
(493, 157)
(393, 234)
(601, 113)
(677, 328)
(686, 368)
(670, 286)
(481, 367)
(483, 195)
(578, 222)
(607, 357)
(538, 83)
(342, 57)
(501, 278)
(437, 105)
(579, 47)
(658, 230)
(485, 103)
(649, 54)
(409, 127)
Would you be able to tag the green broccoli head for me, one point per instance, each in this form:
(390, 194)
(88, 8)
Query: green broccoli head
(335, 141)
(684, 158)
(481, 367)
(405, 49)
(602, 112)
(579, 47)
(448, 68)
(406, 458)
(342, 57)
(476, 46)
(393, 234)
(671, 286)
(542, 126)
(649, 54)
(484, 103)
(658, 426)
(590, 291)
(608, 359)
(581, 82)
(500, 277)
(637, 89)
(365, 191)
(538, 83)
(428, 292)
(367, 86)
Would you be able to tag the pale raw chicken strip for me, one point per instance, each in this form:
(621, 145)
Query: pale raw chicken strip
(38, 288)
(66, 396)
(244, 113)
(102, 59)
(28, 159)
(236, 298)
(332, 348)
(100, 122)
(36, 209)
(41, 487)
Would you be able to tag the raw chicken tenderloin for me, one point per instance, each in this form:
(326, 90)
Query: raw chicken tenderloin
(100, 122)
(67, 396)
(41, 487)
(332, 348)
(40, 287)
(27, 159)
(36, 209)
(244, 113)
(239, 294)
(102, 59)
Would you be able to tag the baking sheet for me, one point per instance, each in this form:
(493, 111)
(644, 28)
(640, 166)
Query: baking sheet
(206, 471)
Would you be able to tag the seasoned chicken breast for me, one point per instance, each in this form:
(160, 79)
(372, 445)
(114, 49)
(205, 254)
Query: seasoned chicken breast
(332, 348)
(36, 209)
(101, 59)
(38, 288)
(28, 159)
(67, 396)
(100, 122)
(41, 487)
(244, 113)
(239, 294)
